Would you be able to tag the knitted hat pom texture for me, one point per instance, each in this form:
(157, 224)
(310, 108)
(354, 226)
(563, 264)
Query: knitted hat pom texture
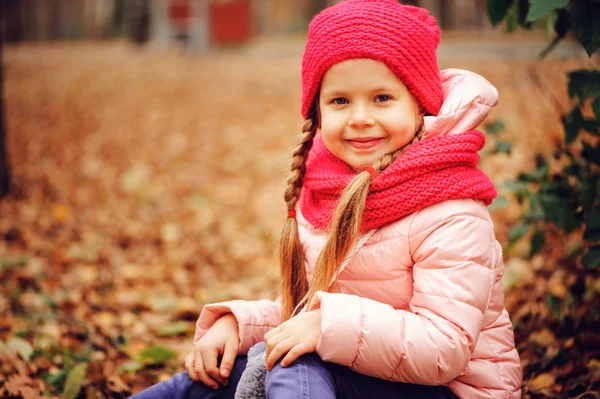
(403, 37)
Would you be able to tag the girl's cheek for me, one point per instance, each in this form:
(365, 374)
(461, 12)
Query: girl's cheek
(327, 128)
(332, 122)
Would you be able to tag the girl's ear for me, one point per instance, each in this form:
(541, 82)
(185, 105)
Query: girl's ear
(419, 117)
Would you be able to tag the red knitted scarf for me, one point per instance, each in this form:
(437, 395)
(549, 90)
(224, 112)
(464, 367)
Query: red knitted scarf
(428, 172)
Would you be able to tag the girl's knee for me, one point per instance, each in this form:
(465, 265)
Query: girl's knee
(170, 388)
(304, 378)
(308, 360)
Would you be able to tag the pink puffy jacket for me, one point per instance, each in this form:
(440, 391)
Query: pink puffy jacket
(422, 300)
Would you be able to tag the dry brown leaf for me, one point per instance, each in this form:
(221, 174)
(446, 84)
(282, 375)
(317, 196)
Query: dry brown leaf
(20, 385)
(116, 384)
(594, 364)
(543, 337)
(60, 213)
(542, 381)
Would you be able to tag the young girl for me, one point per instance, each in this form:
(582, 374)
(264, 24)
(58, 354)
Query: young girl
(391, 273)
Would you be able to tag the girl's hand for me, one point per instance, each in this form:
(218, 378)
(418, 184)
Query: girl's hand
(221, 339)
(297, 336)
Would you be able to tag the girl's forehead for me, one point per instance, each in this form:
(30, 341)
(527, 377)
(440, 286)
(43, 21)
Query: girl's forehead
(359, 73)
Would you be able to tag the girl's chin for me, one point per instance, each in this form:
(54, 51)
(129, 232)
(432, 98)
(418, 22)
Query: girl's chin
(362, 164)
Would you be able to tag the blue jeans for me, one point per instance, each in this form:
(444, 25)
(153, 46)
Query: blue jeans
(308, 377)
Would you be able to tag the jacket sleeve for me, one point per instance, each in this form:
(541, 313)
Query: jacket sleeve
(431, 342)
(254, 319)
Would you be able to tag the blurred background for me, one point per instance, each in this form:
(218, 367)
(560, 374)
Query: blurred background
(203, 22)
(144, 146)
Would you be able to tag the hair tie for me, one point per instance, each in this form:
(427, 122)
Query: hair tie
(372, 172)
(292, 214)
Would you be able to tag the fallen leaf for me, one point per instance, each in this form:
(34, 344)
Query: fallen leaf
(175, 328)
(594, 364)
(22, 347)
(516, 270)
(157, 354)
(163, 303)
(20, 385)
(135, 178)
(543, 337)
(542, 381)
(60, 213)
(116, 384)
(74, 381)
(170, 232)
(132, 366)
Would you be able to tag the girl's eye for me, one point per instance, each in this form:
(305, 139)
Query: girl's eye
(382, 98)
(339, 101)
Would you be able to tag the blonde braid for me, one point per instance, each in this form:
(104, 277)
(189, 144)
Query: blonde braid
(389, 158)
(296, 176)
(294, 283)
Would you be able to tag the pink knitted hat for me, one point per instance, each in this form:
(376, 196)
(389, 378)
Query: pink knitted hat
(403, 37)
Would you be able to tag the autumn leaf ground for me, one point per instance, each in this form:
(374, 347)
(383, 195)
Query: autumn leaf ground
(148, 183)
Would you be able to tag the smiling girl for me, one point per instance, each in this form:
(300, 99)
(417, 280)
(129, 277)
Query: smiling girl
(366, 112)
(390, 270)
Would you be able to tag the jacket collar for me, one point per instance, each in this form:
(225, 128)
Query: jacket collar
(468, 99)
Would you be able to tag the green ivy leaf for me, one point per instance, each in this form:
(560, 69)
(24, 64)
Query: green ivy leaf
(55, 380)
(512, 18)
(559, 211)
(577, 81)
(537, 242)
(516, 186)
(584, 84)
(551, 20)
(591, 154)
(498, 203)
(502, 147)
(539, 8)
(586, 17)
(156, 355)
(516, 232)
(74, 381)
(596, 108)
(497, 9)
(174, 328)
(523, 9)
(11, 263)
(572, 123)
(588, 194)
(591, 259)
(131, 367)
(536, 175)
(494, 127)
(533, 214)
(553, 304)
(590, 125)
(562, 25)
(591, 219)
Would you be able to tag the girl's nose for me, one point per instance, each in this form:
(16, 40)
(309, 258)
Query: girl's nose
(360, 118)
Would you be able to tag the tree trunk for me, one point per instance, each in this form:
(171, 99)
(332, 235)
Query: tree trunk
(4, 165)
(316, 6)
(138, 20)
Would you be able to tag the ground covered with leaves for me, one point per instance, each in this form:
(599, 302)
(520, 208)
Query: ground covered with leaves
(149, 183)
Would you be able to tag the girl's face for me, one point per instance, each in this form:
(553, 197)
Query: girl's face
(366, 112)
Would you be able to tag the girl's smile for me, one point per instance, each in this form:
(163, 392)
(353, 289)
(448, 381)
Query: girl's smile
(366, 111)
(364, 143)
